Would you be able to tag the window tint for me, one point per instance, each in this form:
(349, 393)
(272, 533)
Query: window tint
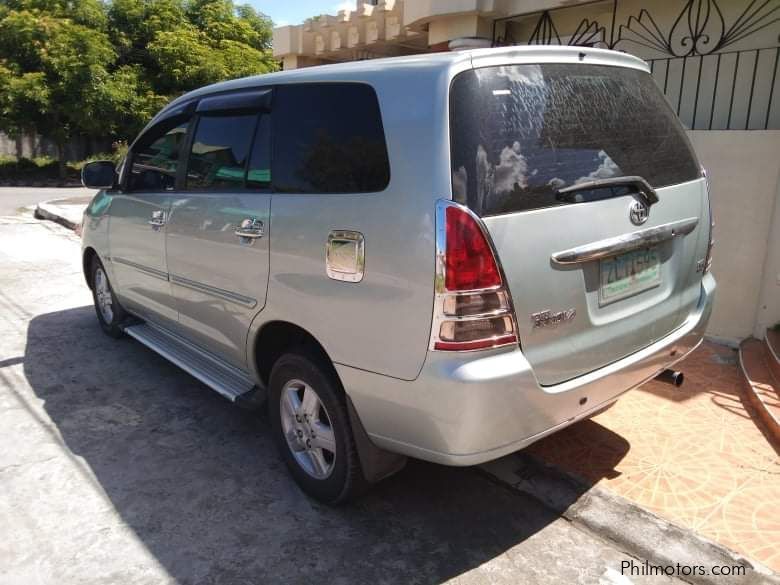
(219, 152)
(328, 138)
(156, 157)
(259, 173)
(520, 133)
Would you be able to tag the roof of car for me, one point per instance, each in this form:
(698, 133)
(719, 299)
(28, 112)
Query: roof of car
(357, 70)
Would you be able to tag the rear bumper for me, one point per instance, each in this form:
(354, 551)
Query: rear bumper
(463, 410)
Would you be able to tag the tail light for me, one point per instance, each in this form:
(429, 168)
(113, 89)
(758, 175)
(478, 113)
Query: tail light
(711, 242)
(472, 308)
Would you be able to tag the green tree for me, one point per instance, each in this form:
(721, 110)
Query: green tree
(182, 45)
(102, 68)
(53, 73)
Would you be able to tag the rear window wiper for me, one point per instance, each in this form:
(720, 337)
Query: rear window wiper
(648, 194)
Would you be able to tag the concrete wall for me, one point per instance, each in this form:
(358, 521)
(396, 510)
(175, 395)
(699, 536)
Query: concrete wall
(768, 311)
(744, 171)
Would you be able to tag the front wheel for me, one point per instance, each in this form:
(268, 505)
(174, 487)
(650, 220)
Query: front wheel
(311, 427)
(110, 313)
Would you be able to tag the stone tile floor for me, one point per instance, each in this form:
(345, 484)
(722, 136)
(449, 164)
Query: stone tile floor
(693, 455)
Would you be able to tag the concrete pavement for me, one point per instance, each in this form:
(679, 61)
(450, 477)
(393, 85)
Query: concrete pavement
(67, 212)
(119, 467)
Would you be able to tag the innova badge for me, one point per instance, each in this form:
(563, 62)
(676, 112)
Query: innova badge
(549, 318)
(638, 212)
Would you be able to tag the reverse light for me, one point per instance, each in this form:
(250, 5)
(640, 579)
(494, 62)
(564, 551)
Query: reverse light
(472, 308)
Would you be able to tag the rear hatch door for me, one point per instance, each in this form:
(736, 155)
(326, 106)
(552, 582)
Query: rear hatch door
(593, 198)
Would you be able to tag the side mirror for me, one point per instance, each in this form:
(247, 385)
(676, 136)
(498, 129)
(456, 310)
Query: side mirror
(99, 174)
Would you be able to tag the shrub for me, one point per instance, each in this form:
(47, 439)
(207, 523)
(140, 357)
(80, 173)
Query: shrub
(44, 168)
(40, 168)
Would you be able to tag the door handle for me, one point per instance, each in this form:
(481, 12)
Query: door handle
(250, 228)
(158, 219)
(626, 243)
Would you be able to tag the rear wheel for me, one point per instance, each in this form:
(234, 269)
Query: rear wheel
(311, 426)
(110, 313)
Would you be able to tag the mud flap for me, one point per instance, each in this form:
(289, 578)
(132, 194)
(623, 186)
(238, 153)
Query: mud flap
(377, 463)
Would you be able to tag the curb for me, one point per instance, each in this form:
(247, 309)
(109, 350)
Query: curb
(636, 530)
(753, 382)
(46, 210)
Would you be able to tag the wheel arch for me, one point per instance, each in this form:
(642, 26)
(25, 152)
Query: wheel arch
(87, 257)
(278, 337)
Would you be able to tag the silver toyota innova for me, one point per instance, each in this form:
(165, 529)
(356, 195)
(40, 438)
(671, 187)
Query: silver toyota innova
(444, 256)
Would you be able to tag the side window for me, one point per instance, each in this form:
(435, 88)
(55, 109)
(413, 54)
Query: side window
(155, 159)
(328, 138)
(220, 151)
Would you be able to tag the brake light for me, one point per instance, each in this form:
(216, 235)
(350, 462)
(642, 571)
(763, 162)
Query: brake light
(472, 309)
(470, 264)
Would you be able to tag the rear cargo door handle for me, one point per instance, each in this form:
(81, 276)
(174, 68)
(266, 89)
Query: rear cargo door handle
(251, 228)
(625, 243)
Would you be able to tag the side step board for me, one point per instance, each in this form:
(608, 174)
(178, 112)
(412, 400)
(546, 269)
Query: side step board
(232, 383)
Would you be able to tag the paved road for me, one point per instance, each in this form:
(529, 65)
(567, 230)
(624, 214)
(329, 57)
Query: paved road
(14, 198)
(116, 467)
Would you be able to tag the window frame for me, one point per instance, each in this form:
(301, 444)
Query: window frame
(263, 99)
(184, 112)
(274, 134)
(130, 160)
(244, 188)
(663, 103)
(255, 101)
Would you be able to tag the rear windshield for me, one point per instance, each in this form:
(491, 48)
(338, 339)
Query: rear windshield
(522, 132)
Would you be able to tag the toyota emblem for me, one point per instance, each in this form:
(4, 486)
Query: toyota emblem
(638, 213)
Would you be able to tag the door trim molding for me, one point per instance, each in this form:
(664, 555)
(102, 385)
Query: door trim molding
(214, 291)
(145, 269)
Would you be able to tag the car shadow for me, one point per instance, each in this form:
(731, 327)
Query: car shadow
(200, 483)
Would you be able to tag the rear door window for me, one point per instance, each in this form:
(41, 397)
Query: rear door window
(328, 138)
(219, 152)
(521, 132)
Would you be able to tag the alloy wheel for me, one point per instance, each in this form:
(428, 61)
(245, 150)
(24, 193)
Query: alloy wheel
(308, 429)
(103, 295)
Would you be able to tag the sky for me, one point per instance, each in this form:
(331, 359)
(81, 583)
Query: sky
(284, 12)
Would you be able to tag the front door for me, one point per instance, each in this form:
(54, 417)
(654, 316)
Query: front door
(218, 233)
(139, 215)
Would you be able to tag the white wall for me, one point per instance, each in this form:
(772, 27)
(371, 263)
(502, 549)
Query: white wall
(744, 171)
(768, 311)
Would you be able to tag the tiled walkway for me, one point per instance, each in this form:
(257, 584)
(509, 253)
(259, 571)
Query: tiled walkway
(692, 455)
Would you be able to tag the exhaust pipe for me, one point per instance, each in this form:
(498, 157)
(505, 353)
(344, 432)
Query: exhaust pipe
(671, 377)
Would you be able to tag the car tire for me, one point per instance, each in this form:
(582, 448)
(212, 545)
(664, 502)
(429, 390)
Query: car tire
(311, 427)
(110, 313)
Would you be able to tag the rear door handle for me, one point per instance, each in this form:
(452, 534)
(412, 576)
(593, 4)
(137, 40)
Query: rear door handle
(158, 219)
(626, 243)
(250, 228)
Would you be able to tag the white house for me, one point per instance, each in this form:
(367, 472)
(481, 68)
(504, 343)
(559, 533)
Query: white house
(717, 62)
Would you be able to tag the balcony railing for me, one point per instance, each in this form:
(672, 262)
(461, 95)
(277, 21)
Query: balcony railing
(699, 53)
(723, 91)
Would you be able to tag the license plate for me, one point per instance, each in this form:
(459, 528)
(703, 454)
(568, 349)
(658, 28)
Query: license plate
(629, 274)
